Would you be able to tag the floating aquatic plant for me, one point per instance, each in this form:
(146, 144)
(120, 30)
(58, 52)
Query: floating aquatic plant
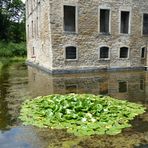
(80, 114)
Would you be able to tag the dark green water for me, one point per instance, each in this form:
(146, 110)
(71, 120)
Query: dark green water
(18, 83)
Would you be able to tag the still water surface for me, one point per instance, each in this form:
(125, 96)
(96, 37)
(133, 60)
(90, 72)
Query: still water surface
(18, 83)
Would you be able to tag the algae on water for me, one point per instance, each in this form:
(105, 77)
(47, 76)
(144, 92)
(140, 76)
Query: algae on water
(80, 114)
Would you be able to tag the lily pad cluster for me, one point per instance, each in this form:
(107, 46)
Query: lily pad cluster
(80, 114)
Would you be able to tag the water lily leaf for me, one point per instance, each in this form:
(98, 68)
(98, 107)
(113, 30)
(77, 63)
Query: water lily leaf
(80, 114)
(113, 131)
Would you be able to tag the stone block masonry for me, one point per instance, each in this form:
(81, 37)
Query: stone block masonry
(68, 36)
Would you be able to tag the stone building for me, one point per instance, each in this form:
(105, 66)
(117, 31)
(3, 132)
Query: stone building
(87, 35)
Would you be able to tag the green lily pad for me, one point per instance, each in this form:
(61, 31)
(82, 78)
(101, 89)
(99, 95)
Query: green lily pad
(80, 114)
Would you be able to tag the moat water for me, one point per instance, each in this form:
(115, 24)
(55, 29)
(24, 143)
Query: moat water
(19, 82)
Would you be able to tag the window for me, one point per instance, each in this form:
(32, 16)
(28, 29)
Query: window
(104, 20)
(104, 88)
(143, 52)
(124, 24)
(37, 26)
(70, 18)
(71, 88)
(104, 52)
(33, 52)
(123, 52)
(71, 52)
(122, 86)
(141, 84)
(32, 29)
(145, 24)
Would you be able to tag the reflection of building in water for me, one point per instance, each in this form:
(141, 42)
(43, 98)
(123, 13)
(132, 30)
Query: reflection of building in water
(128, 85)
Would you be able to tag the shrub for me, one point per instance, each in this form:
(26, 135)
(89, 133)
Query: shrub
(12, 49)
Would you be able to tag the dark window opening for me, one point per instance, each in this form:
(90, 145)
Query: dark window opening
(71, 88)
(28, 31)
(33, 51)
(69, 18)
(104, 88)
(104, 20)
(104, 52)
(32, 29)
(141, 84)
(143, 52)
(122, 86)
(145, 24)
(71, 52)
(124, 52)
(124, 22)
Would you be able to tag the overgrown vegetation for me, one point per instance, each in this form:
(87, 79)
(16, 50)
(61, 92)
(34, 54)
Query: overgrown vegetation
(12, 28)
(12, 49)
(12, 21)
(80, 114)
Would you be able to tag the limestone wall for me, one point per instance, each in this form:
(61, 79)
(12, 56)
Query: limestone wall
(52, 40)
(39, 33)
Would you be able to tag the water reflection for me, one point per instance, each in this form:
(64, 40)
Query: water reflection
(127, 85)
(17, 83)
(4, 114)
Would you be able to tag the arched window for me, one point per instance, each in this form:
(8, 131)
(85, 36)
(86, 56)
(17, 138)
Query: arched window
(71, 52)
(123, 52)
(104, 52)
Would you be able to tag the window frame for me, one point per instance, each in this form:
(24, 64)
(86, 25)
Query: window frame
(69, 85)
(100, 52)
(99, 24)
(128, 54)
(76, 18)
(127, 86)
(142, 24)
(65, 53)
(144, 52)
(143, 85)
(129, 24)
(33, 53)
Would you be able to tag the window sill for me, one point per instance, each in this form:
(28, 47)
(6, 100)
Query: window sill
(71, 60)
(69, 33)
(104, 59)
(123, 58)
(104, 33)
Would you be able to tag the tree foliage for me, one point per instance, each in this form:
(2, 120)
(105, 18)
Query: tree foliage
(12, 20)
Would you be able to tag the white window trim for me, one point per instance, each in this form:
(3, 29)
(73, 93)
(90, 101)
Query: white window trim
(144, 52)
(110, 14)
(76, 17)
(76, 53)
(108, 53)
(130, 21)
(142, 24)
(128, 54)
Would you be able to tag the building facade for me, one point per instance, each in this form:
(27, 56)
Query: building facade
(87, 35)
